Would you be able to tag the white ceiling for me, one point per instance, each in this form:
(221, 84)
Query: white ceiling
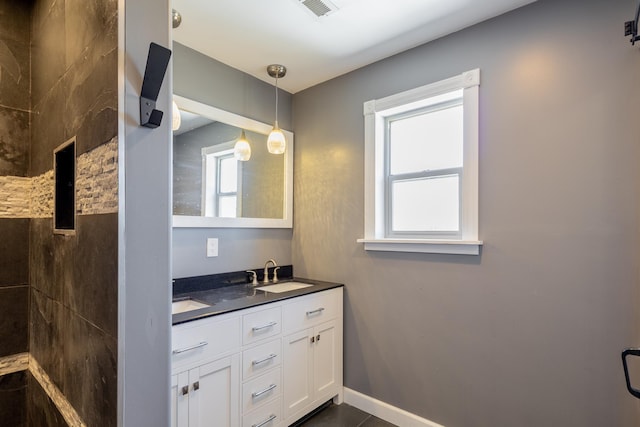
(251, 34)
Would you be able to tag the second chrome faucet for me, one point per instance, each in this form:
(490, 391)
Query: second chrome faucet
(266, 271)
(265, 280)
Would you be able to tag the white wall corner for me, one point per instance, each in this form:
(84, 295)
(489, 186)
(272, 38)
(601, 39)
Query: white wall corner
(385, 411)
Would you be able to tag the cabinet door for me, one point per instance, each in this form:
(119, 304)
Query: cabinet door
(180, 400)
(298, 371)
(214, 394)
(326, 360)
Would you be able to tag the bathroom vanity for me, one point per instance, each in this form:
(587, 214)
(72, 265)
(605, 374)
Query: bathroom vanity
(258, 359)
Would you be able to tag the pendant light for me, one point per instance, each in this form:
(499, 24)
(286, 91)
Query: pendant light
(176, 119)
(276, 142)
(242, 149)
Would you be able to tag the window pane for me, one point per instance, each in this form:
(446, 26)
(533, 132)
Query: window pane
(227, 207)
(426, 205)
(427, 141)
(228, 175)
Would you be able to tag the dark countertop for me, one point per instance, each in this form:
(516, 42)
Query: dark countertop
(226, 299)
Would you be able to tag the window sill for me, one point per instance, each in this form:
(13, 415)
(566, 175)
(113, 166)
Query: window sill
(429, 246)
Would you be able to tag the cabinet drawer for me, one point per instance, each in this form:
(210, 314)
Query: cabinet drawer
(203, 339)
(311, 310)
(261, 358)
(270, 415)
(261, 389)
(261, 324)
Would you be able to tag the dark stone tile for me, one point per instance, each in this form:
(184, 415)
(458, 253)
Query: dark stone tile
(91, 112)
(15, 20)
(93, 292)
(14, 141)
(337, 416)
(15, 76)
(87, 20)
(46, 335)
(13, 399)
(40, 408)
(14, 315)
(42, 259)
(14, 251)
(64, 247)
(48, 36)
(47, 129)
(90, 373)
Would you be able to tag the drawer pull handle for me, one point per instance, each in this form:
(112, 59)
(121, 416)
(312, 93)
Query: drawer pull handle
(266, 390)
(316, 311)
(265, 422)
(193, 347)
(268, 325)
(266, 359)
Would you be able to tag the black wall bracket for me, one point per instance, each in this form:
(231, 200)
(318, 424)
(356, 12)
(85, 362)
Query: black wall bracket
(630, 352)
(157, 63)
(631, 28)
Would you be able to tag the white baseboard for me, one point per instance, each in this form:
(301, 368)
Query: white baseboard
(385, 411)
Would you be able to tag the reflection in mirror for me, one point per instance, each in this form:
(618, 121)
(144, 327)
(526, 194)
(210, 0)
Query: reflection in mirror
(211, 187)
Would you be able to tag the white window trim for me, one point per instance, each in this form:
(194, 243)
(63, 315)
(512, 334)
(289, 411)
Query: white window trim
(374, 222)
(209, 200)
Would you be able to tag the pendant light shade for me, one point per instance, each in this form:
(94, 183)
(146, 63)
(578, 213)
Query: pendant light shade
(242, 148)
(276, 142)
(176, 120)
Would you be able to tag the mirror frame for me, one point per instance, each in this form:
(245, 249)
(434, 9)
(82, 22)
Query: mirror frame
(213, 113)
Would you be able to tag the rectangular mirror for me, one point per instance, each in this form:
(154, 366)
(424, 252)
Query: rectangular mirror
(211, 188)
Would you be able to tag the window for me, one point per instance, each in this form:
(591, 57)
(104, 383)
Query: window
(222, 182)
(421, 169)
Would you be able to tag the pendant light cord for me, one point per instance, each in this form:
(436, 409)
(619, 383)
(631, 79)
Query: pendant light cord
(276, 98)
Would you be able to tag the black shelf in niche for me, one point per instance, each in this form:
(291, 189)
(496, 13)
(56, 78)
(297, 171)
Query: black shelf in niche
(64, 165)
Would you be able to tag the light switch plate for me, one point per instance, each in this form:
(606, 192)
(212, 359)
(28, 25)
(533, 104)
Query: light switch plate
(212, 247)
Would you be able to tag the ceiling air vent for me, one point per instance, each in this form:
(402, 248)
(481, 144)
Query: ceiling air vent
(319, 8)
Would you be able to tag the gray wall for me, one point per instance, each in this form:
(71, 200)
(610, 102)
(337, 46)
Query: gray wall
(144, 322)
(530, 332)
(208, 81)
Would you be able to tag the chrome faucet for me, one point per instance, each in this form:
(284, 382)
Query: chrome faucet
(266, 271)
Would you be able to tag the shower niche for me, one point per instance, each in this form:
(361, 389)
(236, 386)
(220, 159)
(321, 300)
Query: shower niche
(64, 167)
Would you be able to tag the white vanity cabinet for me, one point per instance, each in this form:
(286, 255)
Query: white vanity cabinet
(205, 373)
(264, 366)
(313, 355)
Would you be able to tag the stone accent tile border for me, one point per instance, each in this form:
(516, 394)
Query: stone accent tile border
(14, 197)
(97, 180)
(96, 187)
(14, 363)
(59, 400)
(42, 195)
(24, 361)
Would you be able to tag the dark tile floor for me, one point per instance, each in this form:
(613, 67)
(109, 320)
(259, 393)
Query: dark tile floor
(343, 416)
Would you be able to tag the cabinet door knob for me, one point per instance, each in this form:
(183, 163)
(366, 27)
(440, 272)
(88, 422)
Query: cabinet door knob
(185, 390)
(196, 386)
(313, 339)
(318, 337)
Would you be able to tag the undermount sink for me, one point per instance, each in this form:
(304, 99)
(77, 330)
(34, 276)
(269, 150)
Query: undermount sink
(284, 287)
(184, 305)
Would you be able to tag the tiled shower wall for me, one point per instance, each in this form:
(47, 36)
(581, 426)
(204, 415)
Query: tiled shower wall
(63, 287)
(14, 229)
